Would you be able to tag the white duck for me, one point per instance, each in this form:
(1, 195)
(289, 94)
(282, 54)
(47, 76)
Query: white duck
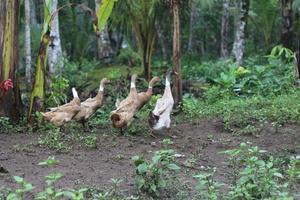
(160, 116)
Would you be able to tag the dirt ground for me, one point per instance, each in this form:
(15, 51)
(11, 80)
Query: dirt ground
(112, 158)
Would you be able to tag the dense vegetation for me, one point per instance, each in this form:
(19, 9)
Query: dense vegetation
(237, 63)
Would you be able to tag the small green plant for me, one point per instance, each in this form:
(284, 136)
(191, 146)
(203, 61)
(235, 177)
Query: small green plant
(207, 187)
(76, 194)
(151, 175)
(50, 161)
(24, 188)
(167, 141)
(51, 192)
(259, 178)
(90, 141)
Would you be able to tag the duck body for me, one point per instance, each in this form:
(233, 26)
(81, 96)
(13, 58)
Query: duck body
(91, 105)
(126, 109)
(64, 113)
(160, 117)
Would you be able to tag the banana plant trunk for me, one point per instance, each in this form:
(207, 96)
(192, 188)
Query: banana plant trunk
(287, 23)
(239, 42)
(176, 51)
(10, 103)
(225, 29)
(38, 93)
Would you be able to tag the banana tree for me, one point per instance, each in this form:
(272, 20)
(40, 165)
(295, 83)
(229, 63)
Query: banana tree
(38, 93)
(10, 101)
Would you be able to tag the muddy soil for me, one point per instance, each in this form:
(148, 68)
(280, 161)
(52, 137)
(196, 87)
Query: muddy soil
(202, 141)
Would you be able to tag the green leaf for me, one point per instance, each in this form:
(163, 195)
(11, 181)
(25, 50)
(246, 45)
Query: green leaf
(173, 166)
(142, 168)
(104, 12)
(19, 179)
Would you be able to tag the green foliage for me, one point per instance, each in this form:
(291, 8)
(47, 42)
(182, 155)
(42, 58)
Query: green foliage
(24, 187)
(128, 55)
(53, 139)
(151, 176)
(255, 177)
(104, 12)
(246, 115)
(58, 89)
(259, 178)
(49, 162)
(207, 187)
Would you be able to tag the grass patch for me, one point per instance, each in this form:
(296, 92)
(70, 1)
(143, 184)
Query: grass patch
(247, 115)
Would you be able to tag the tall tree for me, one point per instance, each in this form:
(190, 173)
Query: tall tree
(239, 42)
(27, 42)
(175, 5)
(193, 12)
(225, 29)
(287, 23)
(10, 103)
(55, 52)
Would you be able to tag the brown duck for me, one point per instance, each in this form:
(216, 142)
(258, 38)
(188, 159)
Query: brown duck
(91, 105)
(126, 109)
(65, 113)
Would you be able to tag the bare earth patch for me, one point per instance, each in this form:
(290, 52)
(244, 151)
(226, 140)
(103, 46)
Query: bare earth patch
(201, 142)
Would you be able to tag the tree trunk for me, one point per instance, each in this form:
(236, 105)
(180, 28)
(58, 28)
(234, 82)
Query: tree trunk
(27, 43)
(33, 19)
(103, 44)
(55, 51)
(10, 104)
(176, 52)
(224, 29)
(162, 41)
(239, 42)
(192, 22)
(287, 26)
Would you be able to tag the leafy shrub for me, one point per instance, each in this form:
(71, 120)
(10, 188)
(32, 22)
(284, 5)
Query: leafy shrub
(206, 186)
(127, 55)
(255, 176)
(58, 89)
(151, 176)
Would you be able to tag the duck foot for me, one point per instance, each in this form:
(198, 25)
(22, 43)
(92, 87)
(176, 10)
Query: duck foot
(152, 134)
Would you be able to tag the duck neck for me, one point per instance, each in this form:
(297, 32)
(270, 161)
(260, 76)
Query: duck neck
(101, 90)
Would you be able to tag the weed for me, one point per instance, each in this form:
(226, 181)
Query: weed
(24, 188)
(151, 175)
(53, 139)
(207, 187)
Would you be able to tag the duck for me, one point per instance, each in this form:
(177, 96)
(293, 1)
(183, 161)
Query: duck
(160, 117)
(64, 113)
(127, 108)
(91, 105)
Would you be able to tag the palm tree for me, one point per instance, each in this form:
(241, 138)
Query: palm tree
(141, 16)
